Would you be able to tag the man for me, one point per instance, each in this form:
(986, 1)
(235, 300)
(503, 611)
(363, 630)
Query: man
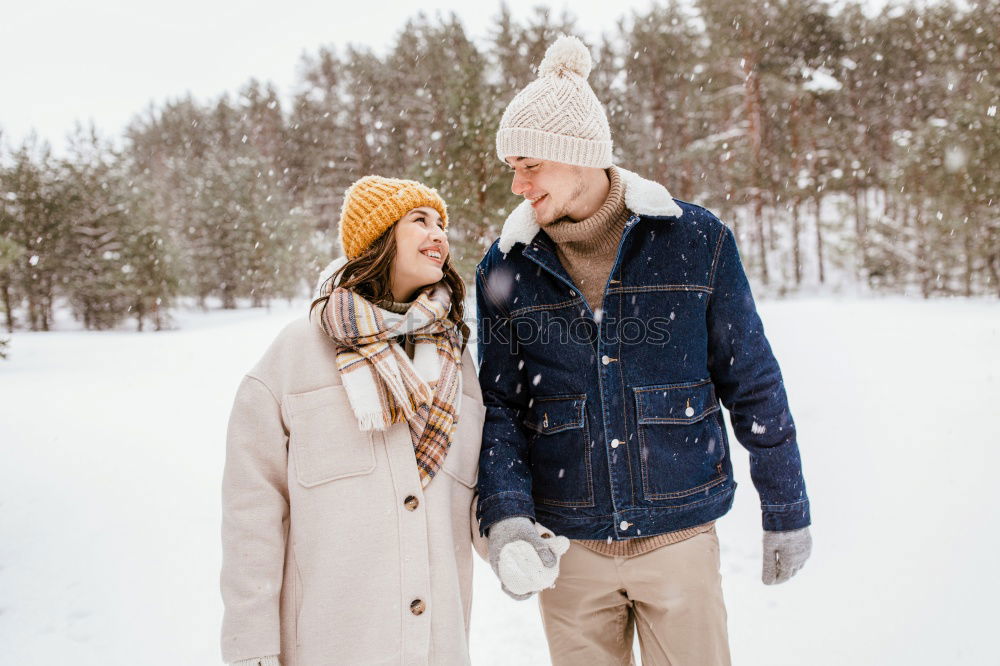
(613, 318)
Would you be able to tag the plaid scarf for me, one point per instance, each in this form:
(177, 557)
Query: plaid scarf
(383, 385)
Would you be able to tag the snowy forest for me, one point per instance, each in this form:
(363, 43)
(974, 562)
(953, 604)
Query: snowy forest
(847, 150)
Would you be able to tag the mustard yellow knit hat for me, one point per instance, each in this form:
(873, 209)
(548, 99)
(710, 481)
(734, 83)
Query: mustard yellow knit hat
(373, 204)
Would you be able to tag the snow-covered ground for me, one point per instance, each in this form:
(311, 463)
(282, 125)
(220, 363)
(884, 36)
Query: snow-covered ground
(112, 449)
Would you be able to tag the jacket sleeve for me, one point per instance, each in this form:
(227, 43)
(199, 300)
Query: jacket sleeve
(254, 523)
(748, 381)
(504, 472)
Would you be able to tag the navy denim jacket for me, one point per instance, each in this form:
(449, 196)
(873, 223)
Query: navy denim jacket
(609, 426)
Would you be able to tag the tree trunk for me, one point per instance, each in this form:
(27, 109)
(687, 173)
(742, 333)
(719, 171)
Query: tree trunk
(8, 307)
(772, 237)
(751, 87)
(157, 319)
(926, 267)
(819, 239)
(968, 246)
(361, 142)
(796, 200)
(32, 315)
(994, 265)
(858, 232)
(922, 269)
(796, 250)
(228, 298)
(687, 175)
(758, 211)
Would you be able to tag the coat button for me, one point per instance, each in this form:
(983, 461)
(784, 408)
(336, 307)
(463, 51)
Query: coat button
(605, 359)
(615, 443)
(624, 525)
(417, 606)
(411, 502)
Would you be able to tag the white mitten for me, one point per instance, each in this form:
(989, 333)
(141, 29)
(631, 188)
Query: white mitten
(521, 569)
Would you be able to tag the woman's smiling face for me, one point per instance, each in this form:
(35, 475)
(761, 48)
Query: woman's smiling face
(421, 252)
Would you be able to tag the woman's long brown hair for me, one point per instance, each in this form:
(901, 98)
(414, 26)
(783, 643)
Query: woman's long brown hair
(368, 275)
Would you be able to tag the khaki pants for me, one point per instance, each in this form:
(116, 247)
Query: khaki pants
(673, 595)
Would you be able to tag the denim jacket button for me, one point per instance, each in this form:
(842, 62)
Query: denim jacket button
(624, 525)
(605, 359)
(615, 443)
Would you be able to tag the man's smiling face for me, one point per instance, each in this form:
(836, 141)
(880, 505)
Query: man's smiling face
(554, 189)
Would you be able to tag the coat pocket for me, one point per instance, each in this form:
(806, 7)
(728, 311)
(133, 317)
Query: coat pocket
(324, 437)
(680, 439)
(560, 451)
(462, 461)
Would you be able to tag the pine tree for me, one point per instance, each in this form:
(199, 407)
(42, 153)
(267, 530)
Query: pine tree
(149, 259)
(442, 125)
(91, 194)
(319, 155)
(9, 253)
(34, 221)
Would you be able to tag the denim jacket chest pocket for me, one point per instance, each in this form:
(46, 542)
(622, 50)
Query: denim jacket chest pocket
(682, 445)
(560, 451)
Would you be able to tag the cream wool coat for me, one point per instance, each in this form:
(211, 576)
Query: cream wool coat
(332, 552)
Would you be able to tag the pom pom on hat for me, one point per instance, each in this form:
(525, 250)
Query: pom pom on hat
(567, 53)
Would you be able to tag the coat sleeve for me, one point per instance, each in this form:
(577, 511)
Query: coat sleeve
(254, 523)
(504, 472)
(479, 542)
(748, 381)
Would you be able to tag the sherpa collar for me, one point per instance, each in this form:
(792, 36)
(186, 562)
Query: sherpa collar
(642, 196)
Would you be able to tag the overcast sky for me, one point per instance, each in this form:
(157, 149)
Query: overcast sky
(105, 60)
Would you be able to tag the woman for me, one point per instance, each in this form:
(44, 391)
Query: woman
(352, 456)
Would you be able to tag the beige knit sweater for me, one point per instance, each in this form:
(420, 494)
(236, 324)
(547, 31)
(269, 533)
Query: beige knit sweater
(587, 249)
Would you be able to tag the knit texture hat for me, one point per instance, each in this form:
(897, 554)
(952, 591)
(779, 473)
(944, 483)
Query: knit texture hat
(373, 204)
(557, 116)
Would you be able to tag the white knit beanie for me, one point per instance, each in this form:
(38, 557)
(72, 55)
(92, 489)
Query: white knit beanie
(557, 116)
